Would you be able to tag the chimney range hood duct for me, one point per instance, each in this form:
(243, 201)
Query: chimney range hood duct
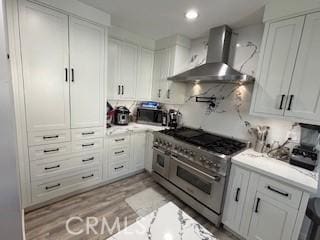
(216, 68)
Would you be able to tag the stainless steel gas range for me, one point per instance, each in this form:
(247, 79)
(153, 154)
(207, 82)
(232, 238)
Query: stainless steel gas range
(194, 165)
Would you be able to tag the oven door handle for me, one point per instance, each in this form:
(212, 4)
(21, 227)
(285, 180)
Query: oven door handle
(213, 178)
(158, 150)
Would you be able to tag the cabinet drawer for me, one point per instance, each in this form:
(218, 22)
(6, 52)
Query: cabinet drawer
(86, 133)
(119, 153)
(63, 184)
(50, 167)
(118, 169)
(48, 137)
(280, 192)
(87, 145)
(121, 140)
(51, 150)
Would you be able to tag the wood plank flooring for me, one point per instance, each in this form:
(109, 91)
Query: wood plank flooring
(49, 223)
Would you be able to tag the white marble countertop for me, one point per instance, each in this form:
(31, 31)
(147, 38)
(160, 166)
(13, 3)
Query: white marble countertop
(132, 127)
(283, 171)
(167, 223)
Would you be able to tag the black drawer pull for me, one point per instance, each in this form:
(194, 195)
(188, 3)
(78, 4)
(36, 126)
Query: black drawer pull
(89, 176)
(257, 205)
(72, 75)
(122, 87)
(87, 133)
(119, 91)
(281, 103)
(48, 168)
(277, 191)
(119, 139)
(87, 145)
(116, 168)
(66, 73)
(237, 195)
(54, 186)
(88, 159)
(119, 152)
(50, 137)
(51, 150)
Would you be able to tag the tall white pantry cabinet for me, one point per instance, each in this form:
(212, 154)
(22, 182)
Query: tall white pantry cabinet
(63, 79)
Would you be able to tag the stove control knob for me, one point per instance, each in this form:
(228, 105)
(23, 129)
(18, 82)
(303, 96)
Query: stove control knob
(216, 165)
(209, 163)
(202, 159)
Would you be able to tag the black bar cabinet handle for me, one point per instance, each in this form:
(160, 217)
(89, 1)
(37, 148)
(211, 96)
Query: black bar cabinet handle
(257, 205)
(72, 75)
(48, 168)
(66, 74)
(119, 152)
(89, 176)
(122, 89)
(290, 102)
(237, 195)
(50, 137)
(116, 168)
(88, 159)
(119, 139)
(51, 150)
(281, 103)
(87, 145)
(87, 133)
(277, 191)
(119, 90)
(168, 94)
(54, 186)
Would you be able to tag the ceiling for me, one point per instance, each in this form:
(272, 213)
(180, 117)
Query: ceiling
(156, 19)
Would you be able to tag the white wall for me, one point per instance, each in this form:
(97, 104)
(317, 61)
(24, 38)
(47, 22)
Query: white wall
(10, 212)
(226, 119)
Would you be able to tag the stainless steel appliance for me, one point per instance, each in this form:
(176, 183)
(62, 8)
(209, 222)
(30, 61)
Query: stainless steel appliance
(151, 113)
(121, 116)
(306, 155)
(174, 118)
(216, 68)
(195, 165)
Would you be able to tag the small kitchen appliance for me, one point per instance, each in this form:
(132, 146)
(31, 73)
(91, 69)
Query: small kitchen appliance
(152, 113)
(174, 118)
(306, 155)
(121, 115)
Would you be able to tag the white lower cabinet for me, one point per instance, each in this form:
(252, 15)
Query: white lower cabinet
(125, 154)
(271, 219)
(261, 208)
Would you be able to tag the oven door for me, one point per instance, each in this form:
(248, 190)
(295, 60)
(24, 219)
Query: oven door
(205, 188)
(161, 162)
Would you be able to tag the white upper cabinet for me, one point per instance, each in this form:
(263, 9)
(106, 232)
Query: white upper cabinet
(45, 59)
(288, 82)
(305, 87)
(122, 70)
(87, 74)
(128, 70)
(276, 66)
(145, 71)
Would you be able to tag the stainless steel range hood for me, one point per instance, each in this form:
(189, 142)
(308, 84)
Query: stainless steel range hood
(216, 68)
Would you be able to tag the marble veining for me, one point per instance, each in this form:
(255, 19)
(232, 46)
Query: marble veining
(132, 127)
(262, 163)
(166, 223)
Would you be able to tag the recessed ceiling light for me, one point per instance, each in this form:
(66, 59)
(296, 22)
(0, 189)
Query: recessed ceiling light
(191, 14)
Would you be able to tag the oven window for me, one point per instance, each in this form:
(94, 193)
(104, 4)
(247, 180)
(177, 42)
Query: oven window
(194, 180)
(150, 115)
(160, 160)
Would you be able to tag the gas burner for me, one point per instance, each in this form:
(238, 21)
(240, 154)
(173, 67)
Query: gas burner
(211, 142)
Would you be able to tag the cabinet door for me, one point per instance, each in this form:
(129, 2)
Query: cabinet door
(128, 70)
(144, 81)
(271, 220)
(156, 87)
(281, 48)
(166, 68)
(305, 88)
(45, 59)
(113, 86)
(138, 145)
(87, 74)
(235, 199)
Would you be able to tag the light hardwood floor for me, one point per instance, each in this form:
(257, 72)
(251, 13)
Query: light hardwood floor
(108, 202)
